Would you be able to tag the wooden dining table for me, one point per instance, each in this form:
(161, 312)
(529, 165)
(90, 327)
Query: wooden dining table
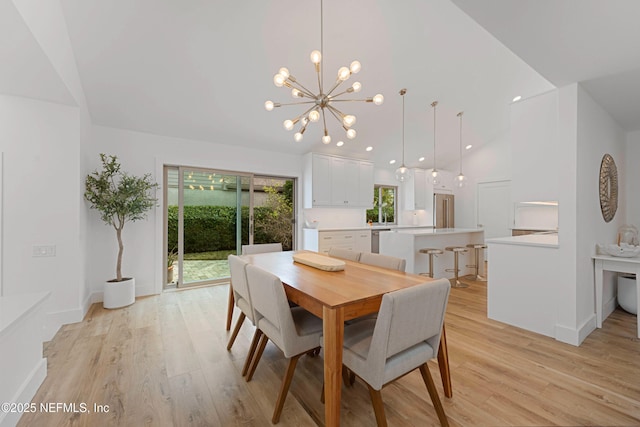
(337, 296)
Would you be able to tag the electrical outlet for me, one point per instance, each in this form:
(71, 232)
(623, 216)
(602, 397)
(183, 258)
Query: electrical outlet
(44, 251)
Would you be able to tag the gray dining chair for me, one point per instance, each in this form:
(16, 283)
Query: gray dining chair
(242, 297)
(294, 331)
(384, 261)
(261, 248)
(347, 254)
(249, 250)
(405, 336)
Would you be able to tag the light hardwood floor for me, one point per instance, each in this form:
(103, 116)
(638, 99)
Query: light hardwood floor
(163, 362)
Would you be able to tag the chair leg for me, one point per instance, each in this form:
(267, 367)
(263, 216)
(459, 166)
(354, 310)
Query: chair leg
(230, 307)
(236, 330)
(252, 350)
(284, 388)
(378, 406)
(433, 392)
(256, 358)
(443, 364)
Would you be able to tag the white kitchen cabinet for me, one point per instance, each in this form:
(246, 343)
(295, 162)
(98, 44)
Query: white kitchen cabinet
(321, 189)
(414, 191)
(331, 181)
(321, 241)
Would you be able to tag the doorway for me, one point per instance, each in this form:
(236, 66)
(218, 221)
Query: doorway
(211, 213)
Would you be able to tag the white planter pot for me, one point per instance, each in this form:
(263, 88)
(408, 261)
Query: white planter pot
(119, 294)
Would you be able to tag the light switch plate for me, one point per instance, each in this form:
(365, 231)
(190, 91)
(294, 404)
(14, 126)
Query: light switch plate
(44, 250)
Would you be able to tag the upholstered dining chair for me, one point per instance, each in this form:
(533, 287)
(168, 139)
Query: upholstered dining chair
(384, 261)
(261, 248)
(294, 331)
(405, 336)
(242, 297)
(249, 250)
(344, 254)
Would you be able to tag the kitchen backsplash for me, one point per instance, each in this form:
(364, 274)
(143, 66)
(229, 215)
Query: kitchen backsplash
(334, 217)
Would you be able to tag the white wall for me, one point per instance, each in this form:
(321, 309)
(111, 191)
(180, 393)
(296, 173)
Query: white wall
(598, 134)
(491, 162)
(40, 142)
(142, 153)
(632, 173)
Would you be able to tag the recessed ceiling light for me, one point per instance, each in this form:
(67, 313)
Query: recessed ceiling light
(421, 159)
(340, 143)
(517, 98)
(468, 147)
(392, 162)
(369, 148)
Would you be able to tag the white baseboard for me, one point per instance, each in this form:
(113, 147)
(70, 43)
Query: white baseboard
(576, 336)
(609, 307)
(25, 393)
(141, 291)
(54, 320)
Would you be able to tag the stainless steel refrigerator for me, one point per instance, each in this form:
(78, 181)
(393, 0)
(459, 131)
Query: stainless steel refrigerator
(443, 211)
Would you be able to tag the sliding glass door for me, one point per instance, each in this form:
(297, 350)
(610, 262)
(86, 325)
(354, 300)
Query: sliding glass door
(211, 214)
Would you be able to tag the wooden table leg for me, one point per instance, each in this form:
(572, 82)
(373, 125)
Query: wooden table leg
(333, 328)
(443, 364)
(230, 307)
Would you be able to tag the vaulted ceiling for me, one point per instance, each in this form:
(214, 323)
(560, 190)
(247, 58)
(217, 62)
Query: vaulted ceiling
(202, 69)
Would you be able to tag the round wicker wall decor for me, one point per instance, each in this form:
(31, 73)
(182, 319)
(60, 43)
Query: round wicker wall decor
(608, 187)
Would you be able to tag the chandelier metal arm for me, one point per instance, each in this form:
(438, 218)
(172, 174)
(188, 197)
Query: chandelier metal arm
(324, 123)
(293, 84)
(293, 103)
(335, 86)
(339, 115)
(352, 100)
(304, 114)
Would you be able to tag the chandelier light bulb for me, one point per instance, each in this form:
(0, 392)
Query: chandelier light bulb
(340, 143)
(351, 133)
(356, 86)
(355, 67)
(278, 80)
(349, 120)
(284, 72)
(378, 99)
(343, 73)
(304, 121)
(296, 93)
(268, 105)
(326, 139)
(288, 124)
(314, 116)
(316, 57)
(297, 136)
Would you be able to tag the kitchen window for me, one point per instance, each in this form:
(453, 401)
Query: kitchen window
(384, 205)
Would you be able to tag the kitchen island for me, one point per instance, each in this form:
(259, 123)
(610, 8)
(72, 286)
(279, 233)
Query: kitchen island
(523, 282)
(406, 244)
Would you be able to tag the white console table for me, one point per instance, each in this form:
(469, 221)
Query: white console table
(604, 263)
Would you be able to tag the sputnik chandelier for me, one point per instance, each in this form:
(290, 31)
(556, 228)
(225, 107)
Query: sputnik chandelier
(323, 103)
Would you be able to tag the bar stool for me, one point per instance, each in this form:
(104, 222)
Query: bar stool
(431, 252)
(477, 247)
(455, 282)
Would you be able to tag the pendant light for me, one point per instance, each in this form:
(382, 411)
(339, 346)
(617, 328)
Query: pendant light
(435, 175)
(402, 173)
(460, 180)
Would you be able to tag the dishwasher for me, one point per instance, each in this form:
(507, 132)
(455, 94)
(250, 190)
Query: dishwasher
(375, 239)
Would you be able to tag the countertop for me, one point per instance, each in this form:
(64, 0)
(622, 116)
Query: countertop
(376, 227)
(438, 231)
(549, 240)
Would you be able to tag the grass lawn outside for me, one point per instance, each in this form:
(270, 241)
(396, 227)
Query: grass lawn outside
(209, 256)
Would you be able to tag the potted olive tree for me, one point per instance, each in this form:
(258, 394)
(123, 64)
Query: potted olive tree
(120, 198)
